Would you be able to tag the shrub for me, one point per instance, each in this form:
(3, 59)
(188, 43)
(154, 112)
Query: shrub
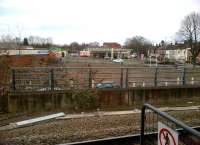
(84, 100)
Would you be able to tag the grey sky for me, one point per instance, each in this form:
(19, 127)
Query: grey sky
(94, 20)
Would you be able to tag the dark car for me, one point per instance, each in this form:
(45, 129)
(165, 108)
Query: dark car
(107, 84)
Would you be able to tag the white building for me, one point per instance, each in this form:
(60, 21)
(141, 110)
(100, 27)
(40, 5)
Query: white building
(178, 54)
(24, 52)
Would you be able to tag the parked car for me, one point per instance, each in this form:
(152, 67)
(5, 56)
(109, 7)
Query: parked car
(107, 84)
(134, 55)
(119, 60)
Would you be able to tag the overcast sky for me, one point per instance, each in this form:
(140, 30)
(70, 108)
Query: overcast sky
(94, 20)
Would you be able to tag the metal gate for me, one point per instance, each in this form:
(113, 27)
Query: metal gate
(171, 132)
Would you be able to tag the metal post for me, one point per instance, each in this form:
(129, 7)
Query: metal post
(183, 79)
(111, 53)
(121, 77)
(142, 126)
(156, 77)
(52, 80)
(156, 60)
(90, 78)
(13, 80)
(150, 60)
(127, 78)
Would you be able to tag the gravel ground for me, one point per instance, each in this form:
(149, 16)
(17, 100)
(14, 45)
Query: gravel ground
(71, 130)
(62, 131)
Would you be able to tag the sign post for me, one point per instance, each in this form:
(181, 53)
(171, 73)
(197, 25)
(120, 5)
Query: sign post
(166, 135)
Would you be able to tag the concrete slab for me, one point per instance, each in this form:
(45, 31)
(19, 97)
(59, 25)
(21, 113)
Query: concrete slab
(30, 122)
(39, 119)
(135, 111)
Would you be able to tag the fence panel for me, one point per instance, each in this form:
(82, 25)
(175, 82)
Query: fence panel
(63, 78)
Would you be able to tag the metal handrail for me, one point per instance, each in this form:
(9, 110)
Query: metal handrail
(166, 116)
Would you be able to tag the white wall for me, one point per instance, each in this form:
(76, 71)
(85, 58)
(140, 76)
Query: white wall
(24, 52)
(177, 54)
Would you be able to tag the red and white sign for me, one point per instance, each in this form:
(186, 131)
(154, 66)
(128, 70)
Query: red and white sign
(166, 135)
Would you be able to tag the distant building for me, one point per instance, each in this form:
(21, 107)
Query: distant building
(178, 54)
(171, 53)
(157, 53)
(85, 53)
(21, 51)
(108, 53)
(93, 45)
(109, 50)
(26, 56)
(58, 52)
(111, 45)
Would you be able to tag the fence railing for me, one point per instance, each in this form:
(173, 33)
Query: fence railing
(63, 78)
(150, 118)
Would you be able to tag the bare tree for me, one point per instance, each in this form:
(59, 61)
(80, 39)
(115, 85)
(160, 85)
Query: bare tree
(8, 42)
(190, 30)
(74, 47)
(37, 41)
(11, 40)
(138, 44)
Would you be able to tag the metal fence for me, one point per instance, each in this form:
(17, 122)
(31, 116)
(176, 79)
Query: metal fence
(173, 131)
(63, 78)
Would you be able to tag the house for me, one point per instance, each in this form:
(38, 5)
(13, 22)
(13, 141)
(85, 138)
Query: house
(171, 53)
(181, 55)
(158, 51)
